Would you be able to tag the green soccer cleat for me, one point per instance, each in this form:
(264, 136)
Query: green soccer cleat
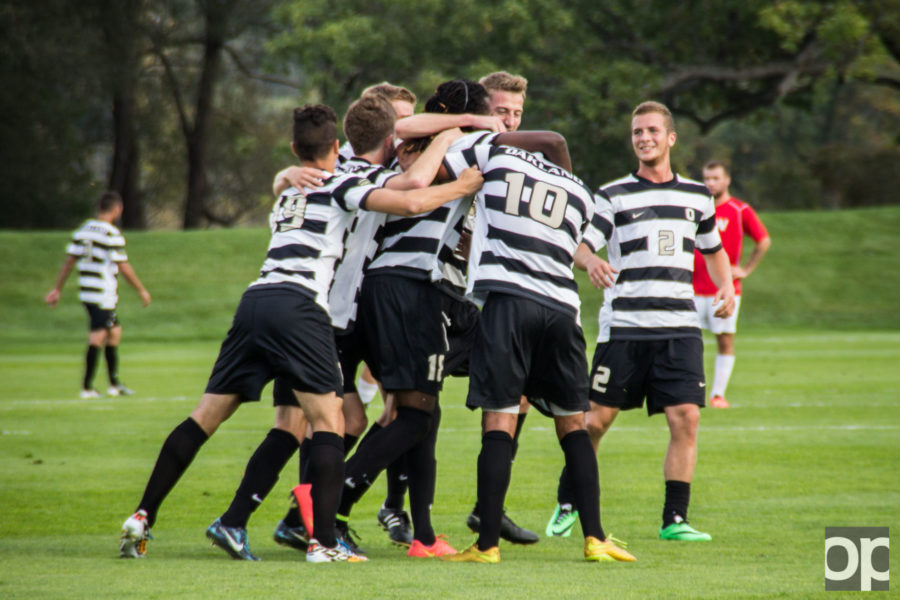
(562, 521)
(682, 532)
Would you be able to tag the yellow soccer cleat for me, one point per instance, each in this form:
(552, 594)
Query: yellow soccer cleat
(606, 551)
(473, 554)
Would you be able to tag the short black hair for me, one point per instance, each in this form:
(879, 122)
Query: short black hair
(315, 130)
(108, 201)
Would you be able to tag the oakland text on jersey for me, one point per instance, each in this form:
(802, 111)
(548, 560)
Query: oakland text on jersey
(308, 231)
(418, 246)
(99, 246)
(537, 162)
(529, 220)
(657, 227)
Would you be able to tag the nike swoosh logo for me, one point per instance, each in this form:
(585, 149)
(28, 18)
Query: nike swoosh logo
(237, 547)
(702, 384)
(256, 498)
(637, 215)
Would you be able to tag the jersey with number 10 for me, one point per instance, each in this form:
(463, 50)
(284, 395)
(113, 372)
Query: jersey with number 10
(530, 216)
(657, 227)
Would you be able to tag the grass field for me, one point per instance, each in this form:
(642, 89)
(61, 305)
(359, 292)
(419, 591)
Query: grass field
(812, 440)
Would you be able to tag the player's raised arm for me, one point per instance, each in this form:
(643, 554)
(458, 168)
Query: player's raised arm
(425, 124)
(418, 201)
(549, 143)
(298, 177)
(423, 171)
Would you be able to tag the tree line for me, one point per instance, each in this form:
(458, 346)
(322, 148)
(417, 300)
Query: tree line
(183, 106)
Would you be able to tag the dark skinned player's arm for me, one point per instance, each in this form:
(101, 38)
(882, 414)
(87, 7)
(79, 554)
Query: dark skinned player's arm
(549, 143)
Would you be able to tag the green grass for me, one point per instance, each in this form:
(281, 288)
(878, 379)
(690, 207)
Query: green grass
(811, 441)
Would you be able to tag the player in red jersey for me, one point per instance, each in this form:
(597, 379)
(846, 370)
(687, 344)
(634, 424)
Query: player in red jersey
(734, 219)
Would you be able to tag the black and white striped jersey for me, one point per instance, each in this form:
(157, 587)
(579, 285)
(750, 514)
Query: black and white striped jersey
(657, 227)
(418, 246)
(360, 246)
(99, 247)
(308, 231)
(530, 216)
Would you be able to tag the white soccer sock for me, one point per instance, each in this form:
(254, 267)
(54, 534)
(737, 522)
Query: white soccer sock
(366, 390)
(724, 366)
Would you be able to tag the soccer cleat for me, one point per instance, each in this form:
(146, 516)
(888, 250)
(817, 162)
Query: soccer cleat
(119, 390)
(682, 532)
(232, 540)
(562, 521)
(396, 523)
(473, 554)
(440, 547)
(607, 551)
(135, 533)
(347, 536)
(90, 394)
(295, 537)
(509, 531)
(317, 553)
(718, 402)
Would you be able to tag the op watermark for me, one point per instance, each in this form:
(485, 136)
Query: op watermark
(857, 559)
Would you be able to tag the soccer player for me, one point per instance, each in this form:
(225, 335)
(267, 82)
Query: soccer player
(649, 343)
(401, 307)
(507, 101)
(530, 217)
(366, 135)
(507, 94)
(282, 328)
(734, 219)
(98, 250)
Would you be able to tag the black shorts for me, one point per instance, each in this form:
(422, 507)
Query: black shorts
(461, 319)
(350, 354)
(100, 318)
(278, 331)
(526, 348)
(666, 372)
(404, 337)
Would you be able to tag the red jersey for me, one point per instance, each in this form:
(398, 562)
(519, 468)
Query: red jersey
(734, 219)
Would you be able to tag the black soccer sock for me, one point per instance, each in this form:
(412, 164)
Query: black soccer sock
(520, 422)
(349, 442)
(422, 478)
(408, 429)
(326, 474)
(112, 364)
(494, 467)
(678, 496)
(375, 428)
(397, 483)
(304, 460)
(564, 492)
(90, 366)
(175, 457)
(292, 517)
(260, 476)
(581, 465)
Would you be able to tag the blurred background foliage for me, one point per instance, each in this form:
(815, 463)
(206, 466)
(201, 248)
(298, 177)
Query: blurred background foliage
(184, 105)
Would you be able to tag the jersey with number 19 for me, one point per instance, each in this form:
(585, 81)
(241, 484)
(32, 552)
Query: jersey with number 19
(657, 227)
(530, 216)
(308, 232)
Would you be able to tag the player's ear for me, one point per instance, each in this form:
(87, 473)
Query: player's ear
(294, 149)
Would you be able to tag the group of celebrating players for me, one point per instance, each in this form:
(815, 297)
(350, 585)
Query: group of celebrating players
(442, 243)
